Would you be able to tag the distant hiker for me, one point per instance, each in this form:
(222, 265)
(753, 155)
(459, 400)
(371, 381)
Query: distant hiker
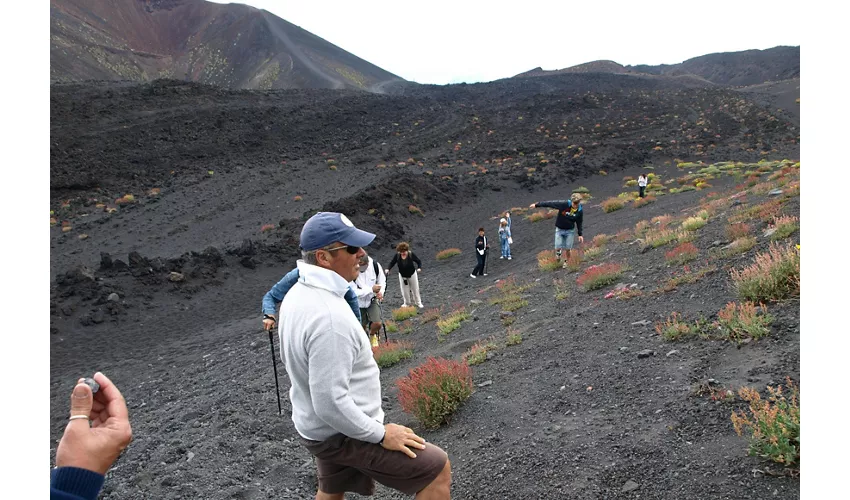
(336, 387)
(97, 431)
(642, 182)
(275, 296)
(370, 286)
(409, 266)
(505, 238)
(568, 223)
(481, 247)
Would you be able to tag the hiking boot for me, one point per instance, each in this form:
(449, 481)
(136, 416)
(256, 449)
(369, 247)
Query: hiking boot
(374, 341)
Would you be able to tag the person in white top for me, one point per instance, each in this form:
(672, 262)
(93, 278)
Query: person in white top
(642, 182)
(336, 385)
(369, 287)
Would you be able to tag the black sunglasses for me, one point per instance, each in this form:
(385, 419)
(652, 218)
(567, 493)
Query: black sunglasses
(348, 248)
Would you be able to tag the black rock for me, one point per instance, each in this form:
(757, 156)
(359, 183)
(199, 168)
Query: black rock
(137, 261)
(105, 260)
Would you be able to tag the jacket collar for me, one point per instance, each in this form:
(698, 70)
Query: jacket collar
(319, 277)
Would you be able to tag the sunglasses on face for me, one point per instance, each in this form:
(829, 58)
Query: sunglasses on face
(348, 248)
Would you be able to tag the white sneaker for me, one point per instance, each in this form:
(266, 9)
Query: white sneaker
(404, 305)
(420, 306)
(485, 274)
(472, 276)
(502, 257)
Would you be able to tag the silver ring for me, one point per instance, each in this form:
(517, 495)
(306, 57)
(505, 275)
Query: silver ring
(75, 417)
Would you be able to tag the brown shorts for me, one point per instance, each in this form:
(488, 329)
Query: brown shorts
(347, 464)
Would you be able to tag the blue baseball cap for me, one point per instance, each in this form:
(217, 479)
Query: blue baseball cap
(325, 228)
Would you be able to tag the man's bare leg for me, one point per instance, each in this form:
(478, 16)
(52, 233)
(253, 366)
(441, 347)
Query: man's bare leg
(375, 329)
(440, 488)
(321, 495)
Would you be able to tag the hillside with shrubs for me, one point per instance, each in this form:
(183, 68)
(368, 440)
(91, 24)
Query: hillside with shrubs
(662, 360)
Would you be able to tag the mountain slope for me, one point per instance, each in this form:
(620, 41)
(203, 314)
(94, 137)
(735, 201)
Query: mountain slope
(232, 45)
(747, 67)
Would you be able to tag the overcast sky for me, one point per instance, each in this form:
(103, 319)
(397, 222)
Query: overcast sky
(439, 41)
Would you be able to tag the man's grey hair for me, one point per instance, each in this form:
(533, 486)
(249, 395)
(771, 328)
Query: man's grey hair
(309, 257)
(365, 258)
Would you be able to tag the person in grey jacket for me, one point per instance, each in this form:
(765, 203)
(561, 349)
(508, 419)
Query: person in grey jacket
(336, 387)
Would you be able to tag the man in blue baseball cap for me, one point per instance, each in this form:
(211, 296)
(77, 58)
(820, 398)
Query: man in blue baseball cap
(336, 386)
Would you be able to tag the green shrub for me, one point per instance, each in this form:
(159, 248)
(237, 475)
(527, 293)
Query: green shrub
(447, 253)
(612, 205)
(773, 425)
(693, 223)
(477, 354)
(745, 321)
(403, 313)
(773, 276)
(452, 322)
(390, 353)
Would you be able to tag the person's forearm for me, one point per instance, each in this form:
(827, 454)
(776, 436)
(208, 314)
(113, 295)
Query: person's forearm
(275, 296)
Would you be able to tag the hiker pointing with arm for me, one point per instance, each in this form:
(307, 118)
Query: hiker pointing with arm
(336, 388)
(567, 225)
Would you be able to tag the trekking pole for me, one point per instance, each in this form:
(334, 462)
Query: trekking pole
(274, 363)
(383, 321)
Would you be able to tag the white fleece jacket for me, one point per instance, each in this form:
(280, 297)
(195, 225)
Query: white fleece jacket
(336, 387)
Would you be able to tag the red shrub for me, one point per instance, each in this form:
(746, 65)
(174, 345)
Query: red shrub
(685, 252)
(598, 276)
(735, 231)
(433, 391)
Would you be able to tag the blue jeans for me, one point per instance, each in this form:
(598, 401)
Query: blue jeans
(506, 247)
(565, 238)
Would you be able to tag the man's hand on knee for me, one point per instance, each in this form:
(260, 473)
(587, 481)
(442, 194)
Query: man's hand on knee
(400, 438)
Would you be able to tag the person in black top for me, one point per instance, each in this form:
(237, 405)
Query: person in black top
(568, 223)
(481, 248)
(409, 267)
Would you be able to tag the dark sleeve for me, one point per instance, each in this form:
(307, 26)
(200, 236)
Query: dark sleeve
(275, 296)
(579, 219)
(416, 260)
(353, 303)
(393, 262)
(73, 483)
(559, 204)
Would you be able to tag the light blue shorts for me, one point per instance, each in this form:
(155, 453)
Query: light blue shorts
(565, 238)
